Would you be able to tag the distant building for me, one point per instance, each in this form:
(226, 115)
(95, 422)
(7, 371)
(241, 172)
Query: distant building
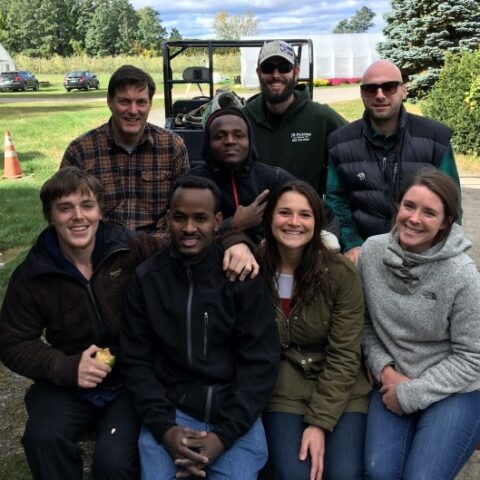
(6, 62)
(336, 55)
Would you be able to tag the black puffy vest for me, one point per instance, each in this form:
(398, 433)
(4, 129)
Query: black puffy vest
(373, 176)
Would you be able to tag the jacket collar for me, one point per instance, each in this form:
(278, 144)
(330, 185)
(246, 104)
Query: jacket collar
(147, 136)
(373, 135)
(203, 262)
(45, 256)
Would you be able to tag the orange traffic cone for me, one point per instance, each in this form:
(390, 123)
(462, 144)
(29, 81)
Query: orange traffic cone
(11, 164)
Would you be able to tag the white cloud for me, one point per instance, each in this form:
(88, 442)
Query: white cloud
(276, 17)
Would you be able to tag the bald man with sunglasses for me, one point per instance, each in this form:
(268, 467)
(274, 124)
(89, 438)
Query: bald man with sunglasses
(290, 129)
(372, 158)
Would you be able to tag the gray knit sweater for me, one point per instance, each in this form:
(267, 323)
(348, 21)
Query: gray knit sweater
(423, 315)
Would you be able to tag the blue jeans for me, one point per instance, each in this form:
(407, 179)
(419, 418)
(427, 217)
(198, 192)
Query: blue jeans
(344, 447)
(433, 443)
(242, 461)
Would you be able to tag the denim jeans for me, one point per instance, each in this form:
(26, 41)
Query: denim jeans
(430, 444)
(344, 447)
(242, 461)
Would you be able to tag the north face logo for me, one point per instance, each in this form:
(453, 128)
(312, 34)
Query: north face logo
(115, 274)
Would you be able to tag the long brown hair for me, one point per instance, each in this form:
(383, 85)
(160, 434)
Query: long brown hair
(311, 275)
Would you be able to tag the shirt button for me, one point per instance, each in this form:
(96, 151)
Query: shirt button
(303, 362)
(310, 360)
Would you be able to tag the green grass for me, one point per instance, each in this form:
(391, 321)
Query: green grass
(42, 130)
(40, 133)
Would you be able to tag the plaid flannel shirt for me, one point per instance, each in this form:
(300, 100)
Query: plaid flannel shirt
(138, 184)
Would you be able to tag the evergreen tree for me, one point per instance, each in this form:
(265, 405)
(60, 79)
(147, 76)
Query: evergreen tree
(359, 23)
(40, 28)
(150, 33)
(83, 11)
(420, 32)
(111, 30)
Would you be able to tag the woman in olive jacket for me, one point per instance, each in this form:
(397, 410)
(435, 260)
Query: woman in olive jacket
(315, 419)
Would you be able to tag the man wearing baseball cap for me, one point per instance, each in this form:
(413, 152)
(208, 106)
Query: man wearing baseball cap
(291, 129)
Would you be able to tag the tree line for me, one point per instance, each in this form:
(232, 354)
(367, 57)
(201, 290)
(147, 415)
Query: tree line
(42, 28)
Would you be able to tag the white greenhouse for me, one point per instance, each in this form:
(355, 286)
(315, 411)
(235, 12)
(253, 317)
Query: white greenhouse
(6, 62)
(335, 56)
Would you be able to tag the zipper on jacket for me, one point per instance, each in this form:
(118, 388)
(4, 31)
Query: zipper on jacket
(394, 181)
(384, 173)
(234, 190)
(98, 318)
(189, 317)
(208, 404)
(205, 334)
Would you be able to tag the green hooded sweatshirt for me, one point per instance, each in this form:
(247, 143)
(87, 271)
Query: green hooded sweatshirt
(299, 143)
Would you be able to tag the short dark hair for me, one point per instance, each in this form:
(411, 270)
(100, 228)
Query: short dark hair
(66, 181)
(130, 75)
(445, 188)
(201, 183)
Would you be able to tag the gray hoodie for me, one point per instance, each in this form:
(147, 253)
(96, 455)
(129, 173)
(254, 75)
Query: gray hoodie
(423, 316)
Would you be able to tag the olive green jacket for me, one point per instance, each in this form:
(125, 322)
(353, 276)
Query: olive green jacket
(321, 371)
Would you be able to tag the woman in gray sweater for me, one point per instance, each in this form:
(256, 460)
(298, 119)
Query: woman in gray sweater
(422, 338)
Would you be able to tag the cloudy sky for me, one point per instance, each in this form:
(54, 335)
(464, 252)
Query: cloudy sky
(287, 18)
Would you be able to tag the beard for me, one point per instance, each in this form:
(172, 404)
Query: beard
(278, 97)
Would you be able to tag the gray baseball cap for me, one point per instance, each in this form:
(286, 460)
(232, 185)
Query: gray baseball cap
(277, 48)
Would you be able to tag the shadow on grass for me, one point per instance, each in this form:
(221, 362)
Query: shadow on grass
(43, 109)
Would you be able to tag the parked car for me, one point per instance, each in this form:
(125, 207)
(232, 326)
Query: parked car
(21, 80)
(82, 79)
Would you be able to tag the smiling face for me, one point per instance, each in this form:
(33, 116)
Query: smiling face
(277, 87)
(192, 220)
(130, 107)
(419, 219)
(229, 140)
(293, 221)
(383, 108)
(76, 218)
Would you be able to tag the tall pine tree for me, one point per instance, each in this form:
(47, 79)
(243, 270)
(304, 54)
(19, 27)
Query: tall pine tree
(419, 32)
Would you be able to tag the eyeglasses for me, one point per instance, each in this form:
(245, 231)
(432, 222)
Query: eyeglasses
(282, 67)
(371, 89)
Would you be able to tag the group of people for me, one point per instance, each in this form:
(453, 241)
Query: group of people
(363, 363)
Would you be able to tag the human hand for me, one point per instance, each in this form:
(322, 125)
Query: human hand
(389, 376)
(239, 262)
(210, 446)
(91, 372)
(353, 254)
(390, 399)
(183, 445)
(251, 215)
(313, 443)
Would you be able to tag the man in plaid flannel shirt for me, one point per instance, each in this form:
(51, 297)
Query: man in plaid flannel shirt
(137, 163)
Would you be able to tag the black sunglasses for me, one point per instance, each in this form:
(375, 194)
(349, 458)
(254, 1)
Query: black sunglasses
(388, 88)
(282, 67)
